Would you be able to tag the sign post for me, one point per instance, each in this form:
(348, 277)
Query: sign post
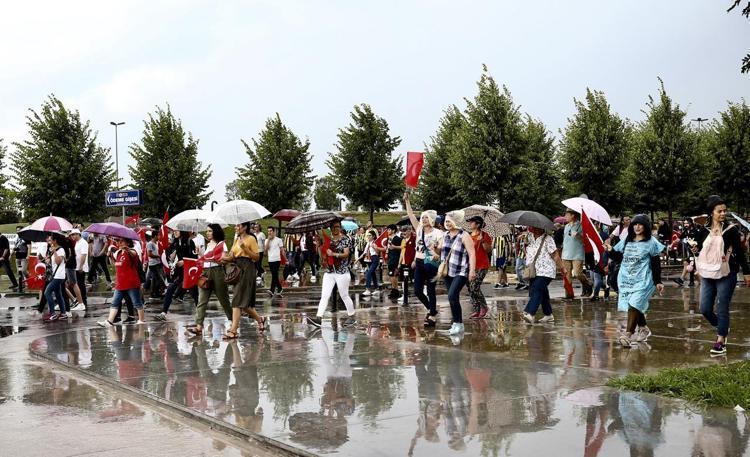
(123, 198)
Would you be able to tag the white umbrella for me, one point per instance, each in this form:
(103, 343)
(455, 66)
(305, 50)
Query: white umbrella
(594, 210)
(194, 220)
(239, 211)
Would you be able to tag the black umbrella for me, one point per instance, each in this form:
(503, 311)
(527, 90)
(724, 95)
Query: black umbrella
(312, 220)
(528, 218)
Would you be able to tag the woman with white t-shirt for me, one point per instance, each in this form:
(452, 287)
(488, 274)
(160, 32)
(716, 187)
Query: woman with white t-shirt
(274, 249)
(542, 253)
(53, 293)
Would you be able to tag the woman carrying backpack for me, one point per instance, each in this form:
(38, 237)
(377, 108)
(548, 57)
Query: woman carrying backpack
(720, 259)
(639, 276)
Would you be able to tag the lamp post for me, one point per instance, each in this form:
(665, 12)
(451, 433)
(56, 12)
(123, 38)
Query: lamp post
(117, 164)
(700, 121)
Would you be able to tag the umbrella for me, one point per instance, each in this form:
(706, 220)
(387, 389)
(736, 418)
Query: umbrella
(742, 221)
(150, 221)
(285, 215)
(193, 220)
(313, 220)
(113, 229)
(41, 228)
(560, 220)
(491, 218)
(239, 211)
(528, 218)
(594, 210)
(349, 225)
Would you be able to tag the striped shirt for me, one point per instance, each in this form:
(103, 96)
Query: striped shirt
(458, 264)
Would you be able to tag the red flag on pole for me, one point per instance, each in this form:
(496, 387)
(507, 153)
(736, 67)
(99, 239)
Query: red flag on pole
(132, 220)
(414, 164)
(382, 241)
(193, 269)
(592, 242)
(37, 269)
(569, 292)
(325, 246)
(164, 232)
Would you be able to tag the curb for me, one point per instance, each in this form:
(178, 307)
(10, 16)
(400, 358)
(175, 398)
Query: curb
(184, 412)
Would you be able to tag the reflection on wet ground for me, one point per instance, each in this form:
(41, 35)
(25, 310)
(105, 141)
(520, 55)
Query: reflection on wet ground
(389, 387)
(8, 330)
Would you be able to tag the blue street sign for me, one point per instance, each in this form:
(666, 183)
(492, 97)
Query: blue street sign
(124, 198)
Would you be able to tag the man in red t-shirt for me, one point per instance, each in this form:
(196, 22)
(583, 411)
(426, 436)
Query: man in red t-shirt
(483, 247)
(408, 253)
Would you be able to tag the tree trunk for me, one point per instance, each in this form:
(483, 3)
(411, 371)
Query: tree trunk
(372, 215)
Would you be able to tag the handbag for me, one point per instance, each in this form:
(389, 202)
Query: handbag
(442, 271)
(204, 282)
(529, 271)
(231, 274)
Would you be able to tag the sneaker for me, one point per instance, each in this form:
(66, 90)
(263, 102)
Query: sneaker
(105, 323)
(519, 286)
(642, 335)
(718, 349)
(313, 279)
(109, 286)
(79, 307)
(366, 293)
(456, 328)
(62, 316)
(547, 319)
(525, 287)
(482, 313)
(161, 317)
(497, 286)
(280, 293)
(350, 322)
(117, 321)
(51, 317)
(129, 320)
(679, 281)
(528, 318)
(376, 292)
(625, 341)
(314, 321)
(505, 285)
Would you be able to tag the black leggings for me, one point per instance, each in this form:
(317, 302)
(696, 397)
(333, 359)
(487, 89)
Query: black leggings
(635, 318)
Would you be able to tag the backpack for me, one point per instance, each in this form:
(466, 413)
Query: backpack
(712, 262)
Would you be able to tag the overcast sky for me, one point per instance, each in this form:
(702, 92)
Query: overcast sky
(225, 67)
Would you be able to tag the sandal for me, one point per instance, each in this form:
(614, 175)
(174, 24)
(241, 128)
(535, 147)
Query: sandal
(194, 330)
(262, 324)
(229, 335)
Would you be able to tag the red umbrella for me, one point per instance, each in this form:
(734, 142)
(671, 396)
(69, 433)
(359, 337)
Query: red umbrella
(285, 215)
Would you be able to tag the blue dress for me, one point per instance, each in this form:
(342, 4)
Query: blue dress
(635, 282)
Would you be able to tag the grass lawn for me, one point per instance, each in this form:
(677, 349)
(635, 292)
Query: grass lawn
(720, 385)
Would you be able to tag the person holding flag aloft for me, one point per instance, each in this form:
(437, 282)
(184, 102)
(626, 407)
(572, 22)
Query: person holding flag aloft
(639, 277)
(214, 278)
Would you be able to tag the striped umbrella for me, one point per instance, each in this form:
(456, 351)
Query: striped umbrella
(312, 220)
(41, 228)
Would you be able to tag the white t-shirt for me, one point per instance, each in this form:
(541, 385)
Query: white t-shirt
(274, 249)
(59, 270)
(261, 238)
(431, 242)
(82, 249)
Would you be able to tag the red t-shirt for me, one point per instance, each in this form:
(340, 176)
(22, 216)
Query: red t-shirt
(126, 275)
(483, 262)
(410, 249)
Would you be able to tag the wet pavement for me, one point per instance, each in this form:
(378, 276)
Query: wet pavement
(388, 387)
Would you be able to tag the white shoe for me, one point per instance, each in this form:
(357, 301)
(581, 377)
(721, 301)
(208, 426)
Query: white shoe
(642, 334)
(313, 279)
(625, 341)
(105, 323)
(547, 319)
(376, 292)
(69, 314)
(456, 329)
(296, 277)
(366, 293)
(528, 318)
(79, 307)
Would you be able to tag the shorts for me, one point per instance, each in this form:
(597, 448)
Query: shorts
(70, 275)
(500, 262)
(393, 269)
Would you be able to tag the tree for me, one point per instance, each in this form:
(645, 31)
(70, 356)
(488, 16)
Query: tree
(325, 193)
(167, 166)
(593, 151)
(61, 169)
(730, 146)
(436, 189)
(8, 203)
(745, 68)
(279, 173)
(487, 145)
(664, 157)
(364, 169)
(232, 191)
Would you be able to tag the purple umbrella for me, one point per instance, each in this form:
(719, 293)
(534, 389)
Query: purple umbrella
(113, 229)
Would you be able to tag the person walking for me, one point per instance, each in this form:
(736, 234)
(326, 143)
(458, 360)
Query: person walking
(244, 254)
(53, 292)
(483, 247)
(155, 274)
(214, 272)
(688, 237)
(275, 250)
(372, 258)
(639, 277)
(501, 254)
(573, 254)
(5, 261)
(459, 254)
(99, 261)
(426, 260)
(542, 253)
(261, 239)
(81, 250)
(406, 261)
(182, 246)
(719, 260)
(336, 266)
(521, 242)
(127, 282)
(21, 251)
(394, 256)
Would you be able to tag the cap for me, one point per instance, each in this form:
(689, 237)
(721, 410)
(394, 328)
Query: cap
(478, 219)
(75, 231)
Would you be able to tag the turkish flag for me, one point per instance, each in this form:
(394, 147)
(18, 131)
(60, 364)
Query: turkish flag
(592, 242)
(37, 269)
(215, 254)
(193, 268)
(326, 245)
(414, 164)
(382, 241)
(164, 232)
(132, 220)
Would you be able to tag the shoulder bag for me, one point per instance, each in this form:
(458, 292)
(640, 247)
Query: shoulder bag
(529, 271)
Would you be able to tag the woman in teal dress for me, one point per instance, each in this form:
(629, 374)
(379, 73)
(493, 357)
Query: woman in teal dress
(639, 277)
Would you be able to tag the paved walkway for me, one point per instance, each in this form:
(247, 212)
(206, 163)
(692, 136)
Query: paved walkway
(390, 388)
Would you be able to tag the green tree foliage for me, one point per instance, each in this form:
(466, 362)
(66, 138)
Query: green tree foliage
(8, 203)
(593, 151)
(730, 146)
(363, 167)
(488, 145)
(436, 189)
(745, 68)
(232, 191)
(325, 193)
(664, 159)
(61, 169)
(278, 174)
(535, 173)
(167, 166)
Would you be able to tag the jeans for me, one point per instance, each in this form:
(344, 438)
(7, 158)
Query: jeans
(154, 279)
(134, 294)
(275, 284)
(97, 263)
(454, 286)
(520, 265)
(598, 282)
(174, 287)
(371, 278)
(719, 291)
(341, 281)
(54, 292)
(539, 295)
(423, 274)
(309, 257)
(9, 271)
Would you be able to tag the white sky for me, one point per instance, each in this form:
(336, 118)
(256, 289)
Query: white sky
(225, 67)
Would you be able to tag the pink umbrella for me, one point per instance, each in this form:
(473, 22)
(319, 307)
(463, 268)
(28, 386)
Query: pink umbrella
(41, 228)
(560, 220)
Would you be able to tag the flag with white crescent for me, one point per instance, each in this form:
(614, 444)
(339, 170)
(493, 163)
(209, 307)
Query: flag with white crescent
(592, 242)
(193, 268)
(37, 270)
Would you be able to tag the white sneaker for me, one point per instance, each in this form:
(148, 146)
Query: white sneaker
(69, 314)
(547, 319)
(528, 318)
(376, 292)
(105, 323)
(625, 341)
(456, 329)
(313, 279)
(79, 307)
(296, 277)
(366, 293)
(642, 334)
